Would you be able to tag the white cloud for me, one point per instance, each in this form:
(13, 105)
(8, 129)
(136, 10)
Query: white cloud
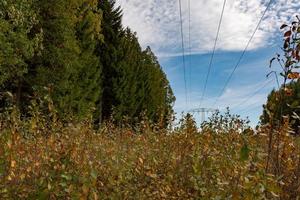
(157, 23)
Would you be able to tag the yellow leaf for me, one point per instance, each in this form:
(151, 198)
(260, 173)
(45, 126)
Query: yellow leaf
(13, 164)
(28, 169)
(141, 160)
(22, 176)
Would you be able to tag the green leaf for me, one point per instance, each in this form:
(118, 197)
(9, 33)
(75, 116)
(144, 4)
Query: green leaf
(94, 174)
(66, 177)
(244, 153)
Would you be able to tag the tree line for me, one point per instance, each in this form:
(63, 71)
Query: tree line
(79, 53)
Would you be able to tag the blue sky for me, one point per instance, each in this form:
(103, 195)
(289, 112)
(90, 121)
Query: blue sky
(157, 24)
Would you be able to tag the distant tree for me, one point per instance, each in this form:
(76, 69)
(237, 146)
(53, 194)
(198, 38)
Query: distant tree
(225, 123)
(133, 80)
(141, 84)
(158, 95)
(126, 85)
(188, 124)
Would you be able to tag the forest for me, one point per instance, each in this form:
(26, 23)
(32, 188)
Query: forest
(79, 54)
(87, 113)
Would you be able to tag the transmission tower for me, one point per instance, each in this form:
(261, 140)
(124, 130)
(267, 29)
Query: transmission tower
(203, 112)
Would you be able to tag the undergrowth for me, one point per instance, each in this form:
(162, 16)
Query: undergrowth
(42, 158)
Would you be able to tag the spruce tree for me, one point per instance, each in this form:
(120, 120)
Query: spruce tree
(89, 35)
(68, 64)
(127, 85)
(18, 44)
(109, 53)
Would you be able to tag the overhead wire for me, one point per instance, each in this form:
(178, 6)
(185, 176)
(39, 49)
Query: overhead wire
(190, 50)
(243, 54)
(253, 94)
(183, 52)
(213, 53)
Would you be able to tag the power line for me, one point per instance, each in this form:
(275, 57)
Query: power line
(250, 108)
(213, 53)
(243, 54)
(183, 52)
(190, 51)
(252, 95)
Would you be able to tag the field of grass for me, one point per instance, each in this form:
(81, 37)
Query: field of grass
(50, 160)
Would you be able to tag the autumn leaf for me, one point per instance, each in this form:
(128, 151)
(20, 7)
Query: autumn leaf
(13, 164)
(288, 34)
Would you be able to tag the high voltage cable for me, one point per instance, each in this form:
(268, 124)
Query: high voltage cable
(251, 108)
(252, 95)
(213, 53)
(183, 52)
(190, 61)
(243, 54)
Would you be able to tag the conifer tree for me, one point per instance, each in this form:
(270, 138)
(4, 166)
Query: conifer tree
(18, 44)
(126, 84)
(68, 63)
(109, 53)
(89, 35)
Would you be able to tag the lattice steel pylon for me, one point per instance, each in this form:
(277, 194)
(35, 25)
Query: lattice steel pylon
(203, 112)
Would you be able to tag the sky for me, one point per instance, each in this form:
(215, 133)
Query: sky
(157, 24)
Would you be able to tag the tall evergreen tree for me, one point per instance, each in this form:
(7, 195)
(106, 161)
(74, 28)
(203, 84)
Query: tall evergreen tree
(89, 35)
(126, 85)
(18, 43)
(141, 85)
(159, 98)
(109, 53)
(79, 50)
(68, 63)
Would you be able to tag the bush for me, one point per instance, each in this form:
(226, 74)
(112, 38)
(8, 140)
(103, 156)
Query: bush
(73, 161)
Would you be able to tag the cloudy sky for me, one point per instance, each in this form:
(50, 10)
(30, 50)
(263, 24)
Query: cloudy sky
(157, 24)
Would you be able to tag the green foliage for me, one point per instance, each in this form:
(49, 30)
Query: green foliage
(133, 81)
(284, 104)
(220, 123)
(276, 107)
(188, 125)
(77, 53)
(68, 64)
(110, 54)
(18, 42)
